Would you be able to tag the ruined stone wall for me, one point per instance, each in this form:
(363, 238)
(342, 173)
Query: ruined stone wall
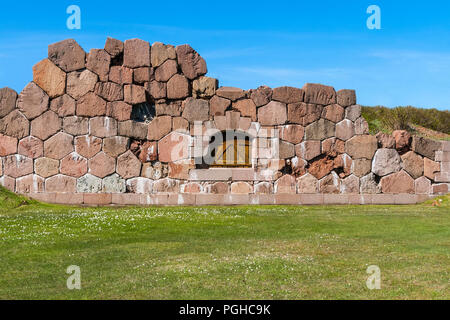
(127, 124)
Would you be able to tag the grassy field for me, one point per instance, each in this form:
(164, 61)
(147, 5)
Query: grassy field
(223, 252)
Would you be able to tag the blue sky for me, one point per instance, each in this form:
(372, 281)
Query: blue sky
(251, 43)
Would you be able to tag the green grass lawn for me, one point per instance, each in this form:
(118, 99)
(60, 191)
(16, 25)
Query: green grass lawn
(249, 252)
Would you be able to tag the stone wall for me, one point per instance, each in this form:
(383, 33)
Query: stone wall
(127, 124)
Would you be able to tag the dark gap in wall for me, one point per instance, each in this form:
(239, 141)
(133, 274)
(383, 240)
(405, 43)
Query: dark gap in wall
(143, 112)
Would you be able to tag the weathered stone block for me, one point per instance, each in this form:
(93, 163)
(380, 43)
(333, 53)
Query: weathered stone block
(241, 187)
(273, 113)
(8, 98)
(139, 185)
(369, 185)
(246, 107)
(46, 125)
(363, 146)
(361, 167)
(425, 147)
(195, 110)
(334, 113)
(121, 75)
(320, 130)
(346, 97)
(91, 105)
(158, 90)
(31, 183)
(402, 140)
(134, 94)
(58, 146)
(15, 125)
(61, 184)
(204, 87)
(67, 54)
(292, 133)
(143, 75)
(128, 166)
(114, 184)
(64, 106)
(133, 129)
(330, 184)
(103, 127)
(386, 161)
(109, 91)
(400, 182)
(73, 165)
(307, 184)
(101, 165)
(80, 83)
(166, 185)
(177, 87)
(159, 127)
(422, 186)
(413, 164)
(89, 184)
(319, 94)
(136, 53)
(46, 167)
(32, 101)
(350, 185)
(308, 150)
(230, 93)
(30, 147)
(286, 184)
(16, 166)
(353, 112)
(288, 94)
(345, 130)
(164, 72)
(50, 78)
(161, 52)
(8, 145)
(114, 47)
(430, 168)
(88, 146)
(192, 65)
(361, 126)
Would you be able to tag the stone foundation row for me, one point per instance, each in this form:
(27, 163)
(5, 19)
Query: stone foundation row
(120, 199)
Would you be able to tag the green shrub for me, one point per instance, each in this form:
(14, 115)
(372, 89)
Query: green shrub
(400, 118)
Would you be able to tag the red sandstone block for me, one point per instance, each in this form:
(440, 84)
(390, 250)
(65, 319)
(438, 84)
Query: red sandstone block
(405, 198)
(242, 174)
(311, 199)
(154, 199)
(336, 199)
(43, 197)
(100, 199)
(262, 199)
(361, 199)
(287, 198)
(181, 199)
(236, 199)
(383, 199)
(209, 199)
(441, 188)
(442, 177)
(216, 174)
(126, 199)
(445, 167)
(68, 198)
(423, 197)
